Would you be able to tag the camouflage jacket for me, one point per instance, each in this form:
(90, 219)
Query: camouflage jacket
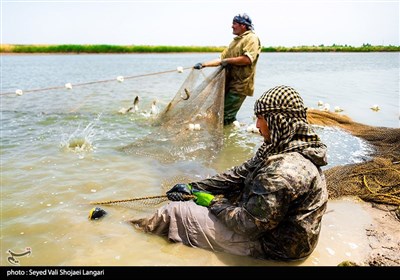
(279, 200)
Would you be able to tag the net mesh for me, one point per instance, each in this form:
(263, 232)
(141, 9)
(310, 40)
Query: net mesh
(376, 180)
(191, 124)
(140, 203)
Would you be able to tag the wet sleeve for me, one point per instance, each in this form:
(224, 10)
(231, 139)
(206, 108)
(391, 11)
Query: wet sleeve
(230, 181)
(266, 206)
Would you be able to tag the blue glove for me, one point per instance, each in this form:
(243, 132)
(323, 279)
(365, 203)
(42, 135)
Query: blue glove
(198, 66)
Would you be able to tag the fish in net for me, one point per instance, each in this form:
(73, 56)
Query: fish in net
(191, 125)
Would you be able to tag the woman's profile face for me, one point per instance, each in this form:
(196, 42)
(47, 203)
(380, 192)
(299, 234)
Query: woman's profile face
(262, 126)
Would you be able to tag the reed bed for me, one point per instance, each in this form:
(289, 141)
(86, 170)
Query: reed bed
(9, 48)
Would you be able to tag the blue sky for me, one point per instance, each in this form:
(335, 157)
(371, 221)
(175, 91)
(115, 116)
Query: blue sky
(199, 23)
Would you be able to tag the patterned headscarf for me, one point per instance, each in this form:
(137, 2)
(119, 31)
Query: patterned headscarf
(283, 109)
(244, 19)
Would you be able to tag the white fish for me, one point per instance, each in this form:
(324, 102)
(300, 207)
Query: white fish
(123, 110)
(154, 108)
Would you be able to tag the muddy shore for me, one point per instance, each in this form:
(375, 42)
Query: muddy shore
(383, 235)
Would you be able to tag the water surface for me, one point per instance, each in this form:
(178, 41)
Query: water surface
(61, 149)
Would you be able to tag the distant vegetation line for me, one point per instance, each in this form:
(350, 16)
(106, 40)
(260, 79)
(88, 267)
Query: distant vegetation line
(179, 49)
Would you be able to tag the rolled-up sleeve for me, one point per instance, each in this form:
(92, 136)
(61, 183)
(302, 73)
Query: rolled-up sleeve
(252, 48)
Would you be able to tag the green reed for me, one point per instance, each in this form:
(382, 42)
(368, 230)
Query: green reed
(179, 49)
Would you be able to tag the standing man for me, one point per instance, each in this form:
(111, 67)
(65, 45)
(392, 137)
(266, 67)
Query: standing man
(240, 60)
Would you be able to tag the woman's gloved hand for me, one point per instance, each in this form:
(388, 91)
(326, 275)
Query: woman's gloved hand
(183, 192)
(203, 198)
(180, 192)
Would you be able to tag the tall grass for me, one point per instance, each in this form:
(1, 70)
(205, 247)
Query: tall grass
(177, 49)
(334, 48)
(103, 49)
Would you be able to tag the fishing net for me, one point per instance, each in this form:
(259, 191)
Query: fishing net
(376, 180)
(140, 203)
(200, 102)
(191, 125)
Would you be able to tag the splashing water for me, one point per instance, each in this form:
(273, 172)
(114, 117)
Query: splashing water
(80, 141)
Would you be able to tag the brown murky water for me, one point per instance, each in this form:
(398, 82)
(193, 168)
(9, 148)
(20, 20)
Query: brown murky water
(66, 237)
(60, 150)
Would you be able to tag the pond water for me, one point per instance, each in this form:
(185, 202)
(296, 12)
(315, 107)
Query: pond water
(47, 184)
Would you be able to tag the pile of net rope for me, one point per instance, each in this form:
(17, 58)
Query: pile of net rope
(376, 180)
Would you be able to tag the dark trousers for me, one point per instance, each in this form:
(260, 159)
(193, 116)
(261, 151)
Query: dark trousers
(232, 104)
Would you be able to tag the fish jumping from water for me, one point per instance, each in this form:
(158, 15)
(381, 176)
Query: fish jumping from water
(132, 109)
(135, 107)
(154, 111)
(154, 108)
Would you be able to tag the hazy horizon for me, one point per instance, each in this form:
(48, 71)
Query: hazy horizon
(199, 23)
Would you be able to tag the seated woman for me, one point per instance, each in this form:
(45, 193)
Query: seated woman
(271, 206)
